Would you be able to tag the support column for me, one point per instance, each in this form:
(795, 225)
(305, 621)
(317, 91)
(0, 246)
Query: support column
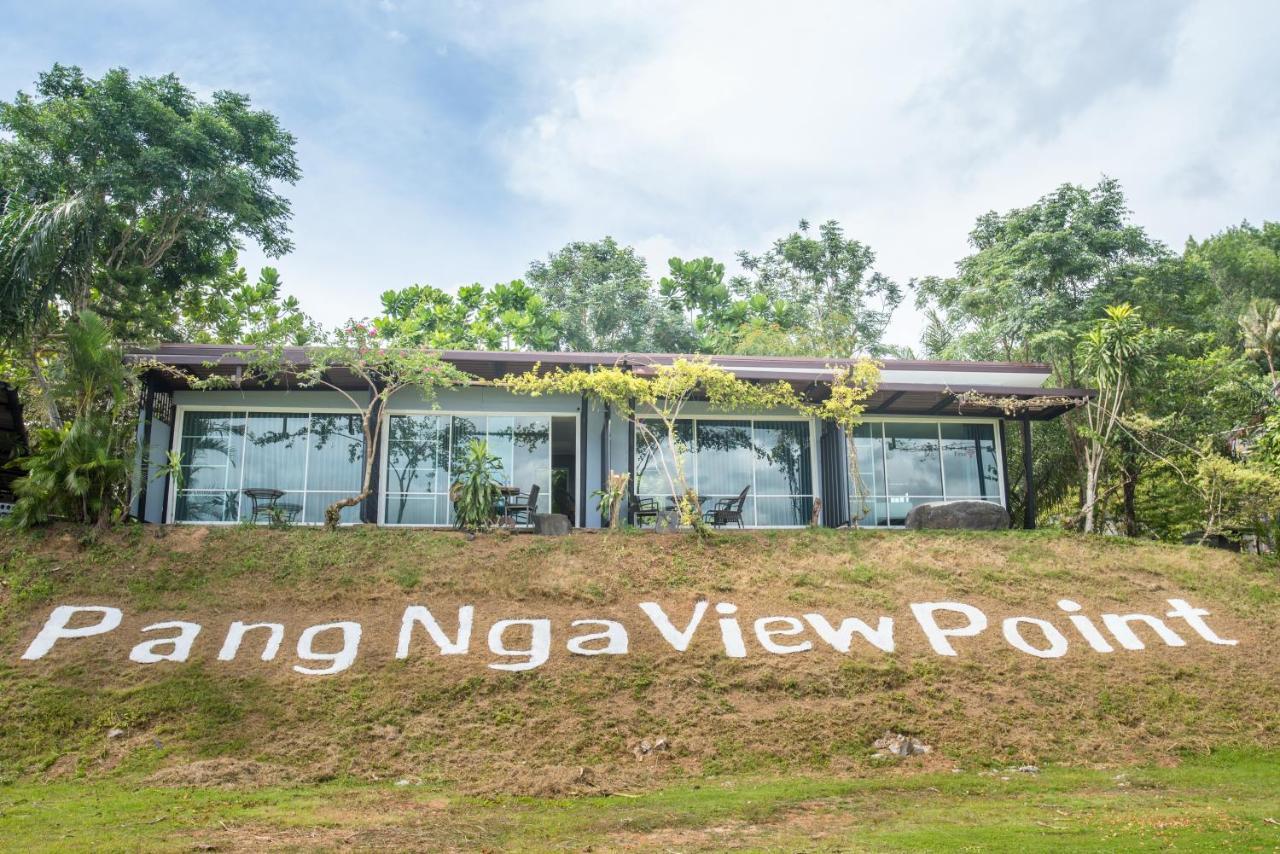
(144, 447)
(1029, 508)
(581, 509)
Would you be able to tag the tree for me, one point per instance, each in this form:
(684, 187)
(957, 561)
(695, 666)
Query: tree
(122, 193)
(505, 317)
(78, 470)
(1260, 328)
(1243, 264)
(231, 310)
(1113, 353)
(602, 293)
(841, 305)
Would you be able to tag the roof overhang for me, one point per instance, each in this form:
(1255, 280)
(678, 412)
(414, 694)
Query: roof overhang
(907, 387)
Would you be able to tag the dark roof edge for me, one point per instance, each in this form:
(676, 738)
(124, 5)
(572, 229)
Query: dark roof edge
(187, 354)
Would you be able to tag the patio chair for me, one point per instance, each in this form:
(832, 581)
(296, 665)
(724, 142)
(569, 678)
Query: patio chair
(524, 505)
(728, 511)
(642, 508)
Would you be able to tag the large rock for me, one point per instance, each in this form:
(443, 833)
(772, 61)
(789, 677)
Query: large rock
(962, 515)
(551, 524)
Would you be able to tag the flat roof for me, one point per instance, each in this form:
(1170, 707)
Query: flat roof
(907, 386)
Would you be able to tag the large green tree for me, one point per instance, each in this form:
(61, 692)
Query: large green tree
(507, 316)
(121, 193)
(834, 301)
(603, 294)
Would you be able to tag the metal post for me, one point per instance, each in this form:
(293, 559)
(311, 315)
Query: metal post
(1029, 510)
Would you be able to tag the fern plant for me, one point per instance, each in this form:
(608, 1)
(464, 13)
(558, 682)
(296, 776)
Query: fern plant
(475, 493)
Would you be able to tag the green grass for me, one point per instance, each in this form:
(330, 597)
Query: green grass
(1224, 801)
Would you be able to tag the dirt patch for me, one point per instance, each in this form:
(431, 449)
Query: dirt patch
(223, 773)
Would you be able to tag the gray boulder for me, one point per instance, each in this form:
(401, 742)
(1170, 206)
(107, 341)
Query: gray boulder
(551, 524)
(958, 515)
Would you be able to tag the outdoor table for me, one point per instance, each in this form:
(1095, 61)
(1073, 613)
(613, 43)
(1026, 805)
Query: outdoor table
(265, 502)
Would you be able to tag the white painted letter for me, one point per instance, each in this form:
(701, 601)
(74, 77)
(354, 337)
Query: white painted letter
(55, 628)
(341, 660)
(840, 639)
(1057, 643)
(539, 644)
(765, 635)
(145, 652)
(420, 615)
(730, 631)
(937, 636)
(615, 635)
(679, 640)
(1119, 626)
(1183, 609)
(236, 633)
(1085, 627)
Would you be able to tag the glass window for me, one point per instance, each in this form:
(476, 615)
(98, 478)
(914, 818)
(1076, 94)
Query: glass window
(969, 461)
(654, 460)
(314, 458)
(725, 455)
(426, 452)
(912, 463)
(900, 465)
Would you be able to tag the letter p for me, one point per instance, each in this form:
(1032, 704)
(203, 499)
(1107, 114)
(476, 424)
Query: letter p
(938, 636)
(55, 628)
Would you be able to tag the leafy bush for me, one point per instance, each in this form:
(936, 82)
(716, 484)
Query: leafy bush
(475, 493)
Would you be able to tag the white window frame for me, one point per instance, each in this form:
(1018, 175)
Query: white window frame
(179, 422)
(885, 419)
(815, 472)
(383, 493)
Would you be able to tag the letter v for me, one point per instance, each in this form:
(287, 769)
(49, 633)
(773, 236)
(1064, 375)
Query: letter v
(678, 639)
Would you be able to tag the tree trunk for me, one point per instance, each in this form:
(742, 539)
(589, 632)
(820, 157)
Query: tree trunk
(46, 393)
(1130, 487)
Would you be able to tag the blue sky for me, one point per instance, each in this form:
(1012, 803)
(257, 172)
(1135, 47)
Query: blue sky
(452, 142)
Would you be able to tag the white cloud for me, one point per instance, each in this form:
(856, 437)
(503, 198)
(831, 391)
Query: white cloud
(714, 126)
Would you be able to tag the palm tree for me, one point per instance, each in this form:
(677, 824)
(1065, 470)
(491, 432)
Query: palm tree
(1260, 326)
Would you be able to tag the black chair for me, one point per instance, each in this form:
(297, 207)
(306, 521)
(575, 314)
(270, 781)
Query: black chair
(728, 511)
(524, 505)
(642, 508)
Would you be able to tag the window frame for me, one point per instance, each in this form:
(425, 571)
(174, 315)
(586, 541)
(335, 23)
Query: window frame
(384, 444)
(1001, 492)
(815, 477)
(179, 425)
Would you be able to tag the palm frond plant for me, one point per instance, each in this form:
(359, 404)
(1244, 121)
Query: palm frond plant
(475, 493)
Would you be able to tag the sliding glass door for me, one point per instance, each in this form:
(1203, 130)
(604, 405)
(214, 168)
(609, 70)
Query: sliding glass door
(314, 458)
(902, 464)
(426, 452)
(771, 459)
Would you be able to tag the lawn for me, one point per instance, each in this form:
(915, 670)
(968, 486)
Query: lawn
(1225, 801)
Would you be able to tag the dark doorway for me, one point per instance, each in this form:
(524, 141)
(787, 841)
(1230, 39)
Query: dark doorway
(564, 458)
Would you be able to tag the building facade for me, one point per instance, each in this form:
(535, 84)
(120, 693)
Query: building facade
(924, 439)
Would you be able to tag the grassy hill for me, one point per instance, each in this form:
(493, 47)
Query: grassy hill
(570, 726)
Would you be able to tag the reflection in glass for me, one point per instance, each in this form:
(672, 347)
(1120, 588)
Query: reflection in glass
(314, 458)
(723, 456)
(969, 461)
(904, 464)
(425, 452)
(654, 459)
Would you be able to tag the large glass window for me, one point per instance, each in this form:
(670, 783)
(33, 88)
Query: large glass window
(902, 464)
(425, 452)
(772, 459)
(315, 458)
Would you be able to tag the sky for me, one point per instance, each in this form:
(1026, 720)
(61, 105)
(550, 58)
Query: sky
(452, 142)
